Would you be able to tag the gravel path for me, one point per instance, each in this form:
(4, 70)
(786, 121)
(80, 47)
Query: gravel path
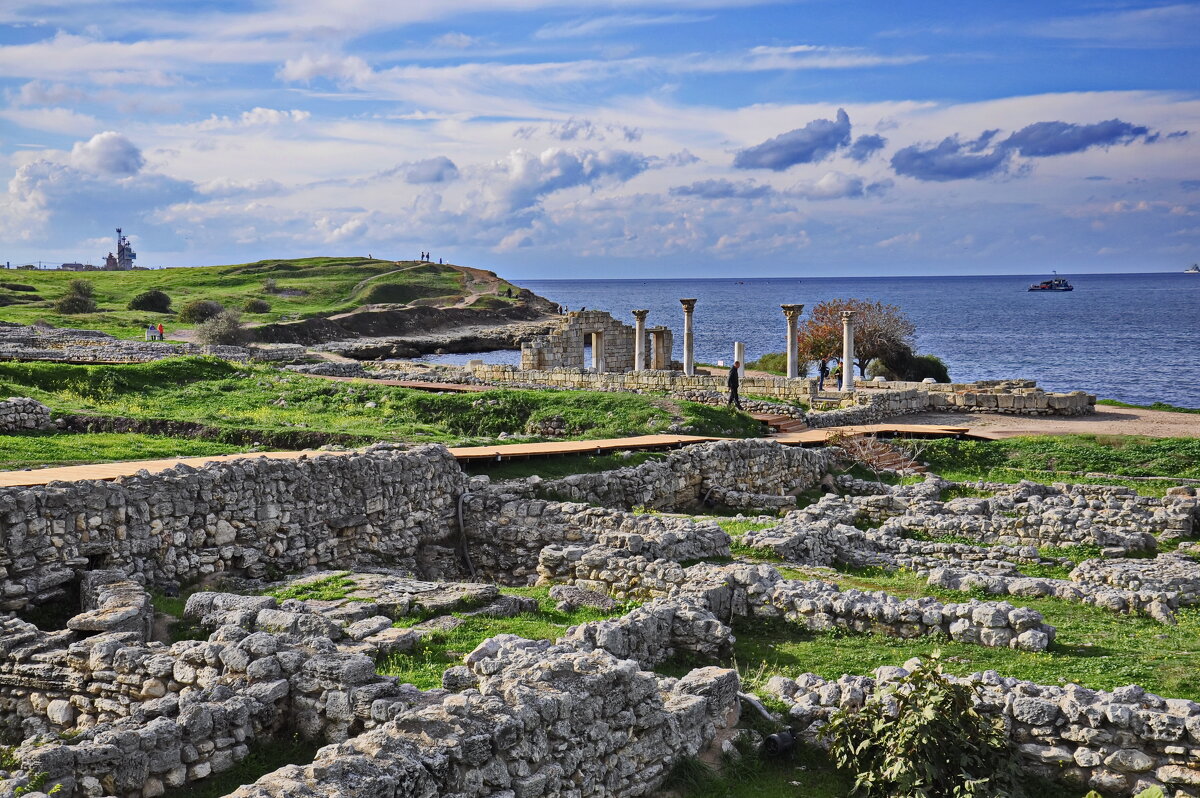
(1106, 421)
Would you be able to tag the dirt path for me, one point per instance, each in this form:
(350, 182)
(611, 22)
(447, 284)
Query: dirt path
(1106, 421)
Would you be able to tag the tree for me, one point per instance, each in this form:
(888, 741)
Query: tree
(879, 331)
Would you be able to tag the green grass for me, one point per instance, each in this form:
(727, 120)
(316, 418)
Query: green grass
(1013, 459)
(33, 449)
(330, 588)
(1163, 406)
(558, 467)
(1095, 647)
(441, 650)
(304, 287)
(248, 397)
(264, 757)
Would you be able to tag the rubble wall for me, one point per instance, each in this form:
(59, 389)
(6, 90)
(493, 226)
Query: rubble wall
(253, 516)
(20, 413)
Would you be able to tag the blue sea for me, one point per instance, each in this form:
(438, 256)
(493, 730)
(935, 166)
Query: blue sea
(1132, 337)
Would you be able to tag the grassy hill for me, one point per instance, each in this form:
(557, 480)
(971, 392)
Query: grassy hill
(294, 289)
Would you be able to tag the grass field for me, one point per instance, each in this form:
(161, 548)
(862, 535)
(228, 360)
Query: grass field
(34, 449)
(1036, 458)
(246, 397)
(295, 289)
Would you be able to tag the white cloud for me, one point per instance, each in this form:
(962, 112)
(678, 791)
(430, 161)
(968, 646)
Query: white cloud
(455, 41)
(107, 153)
(346, 69)
(903, 239)
(598, 26)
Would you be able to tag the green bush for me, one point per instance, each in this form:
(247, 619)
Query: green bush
(256, 306)
(80, 287)
(922, 736)
(75, 303)
(776, 363)
(910, 367)
(199, 310)
(153, 300)
(224, 329)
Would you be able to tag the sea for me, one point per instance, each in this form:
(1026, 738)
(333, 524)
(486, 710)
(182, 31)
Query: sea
(1130, 337)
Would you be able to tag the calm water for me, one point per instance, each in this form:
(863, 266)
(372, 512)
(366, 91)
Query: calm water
(1130, 337)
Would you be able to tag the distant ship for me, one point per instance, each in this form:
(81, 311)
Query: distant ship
(1194, 270)
(1056, 284)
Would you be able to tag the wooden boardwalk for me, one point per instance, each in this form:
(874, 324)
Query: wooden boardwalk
(808, 437)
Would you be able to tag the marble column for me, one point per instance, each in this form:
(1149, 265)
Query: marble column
(848, 350)
(792, 312)
(689, 337)
(739, 356)
(639, 339)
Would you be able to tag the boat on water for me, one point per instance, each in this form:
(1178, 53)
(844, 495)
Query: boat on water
(1054, 284)
(1194, 270)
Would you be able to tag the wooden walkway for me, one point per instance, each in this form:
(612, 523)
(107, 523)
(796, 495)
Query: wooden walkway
(808, 437)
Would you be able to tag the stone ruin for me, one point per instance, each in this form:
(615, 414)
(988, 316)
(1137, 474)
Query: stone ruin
(613, 345)
(108, 709)
(19, 342)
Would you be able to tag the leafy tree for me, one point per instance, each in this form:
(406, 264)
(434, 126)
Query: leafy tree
(152, 300)
(909, 366)
(879, 331)
(924, 736)
(199, 310)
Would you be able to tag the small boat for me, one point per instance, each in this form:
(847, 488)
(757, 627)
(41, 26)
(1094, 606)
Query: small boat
(1055, 284)
(1194, 270)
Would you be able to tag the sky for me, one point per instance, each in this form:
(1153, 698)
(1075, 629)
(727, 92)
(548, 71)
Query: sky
(574, 139)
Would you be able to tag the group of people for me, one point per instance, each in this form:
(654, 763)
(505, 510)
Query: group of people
(427, 258)
(154, 332)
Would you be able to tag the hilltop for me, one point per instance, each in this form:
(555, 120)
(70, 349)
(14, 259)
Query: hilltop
(295, 290)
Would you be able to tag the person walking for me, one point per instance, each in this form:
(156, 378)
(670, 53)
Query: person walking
(160, 331)
(732, 382)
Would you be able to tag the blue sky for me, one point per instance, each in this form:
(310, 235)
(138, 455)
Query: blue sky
(545, 138)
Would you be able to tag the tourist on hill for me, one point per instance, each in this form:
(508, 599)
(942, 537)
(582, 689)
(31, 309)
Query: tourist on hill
(161, 331)
(732, 382)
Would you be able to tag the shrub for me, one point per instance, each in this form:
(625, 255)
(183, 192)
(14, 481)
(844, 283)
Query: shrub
(256, 306)
(200, 310)
(17, 287)
(225, 329)
(153, 300)
(269, 285)
(922, 736)
(75, 303)
(909, 366)
(80, 287)
(776, 363)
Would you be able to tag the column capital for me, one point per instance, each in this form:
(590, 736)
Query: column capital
(688, 305)
(640, 315)
(792, 311)
(848, 315)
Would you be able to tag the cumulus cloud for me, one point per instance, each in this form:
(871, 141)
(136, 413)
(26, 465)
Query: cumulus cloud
(346, 69)
(723, 189)
(812, 143)
(833, 185)
(952, 159)
(865, 146)
(574, 128)
(37, 92)
(527, 176)
(255, 117)
(431, 170)
(107, 153)
(1043, 139)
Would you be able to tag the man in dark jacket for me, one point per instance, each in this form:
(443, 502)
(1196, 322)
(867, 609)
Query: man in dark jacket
(732, 382)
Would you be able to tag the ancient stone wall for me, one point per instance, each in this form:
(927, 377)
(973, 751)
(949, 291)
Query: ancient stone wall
(760, 591)
(247, 517)
(20, 414)
(1119, 742)
(869, 403)
(611, 341)
(91, 346)
(706, 472)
